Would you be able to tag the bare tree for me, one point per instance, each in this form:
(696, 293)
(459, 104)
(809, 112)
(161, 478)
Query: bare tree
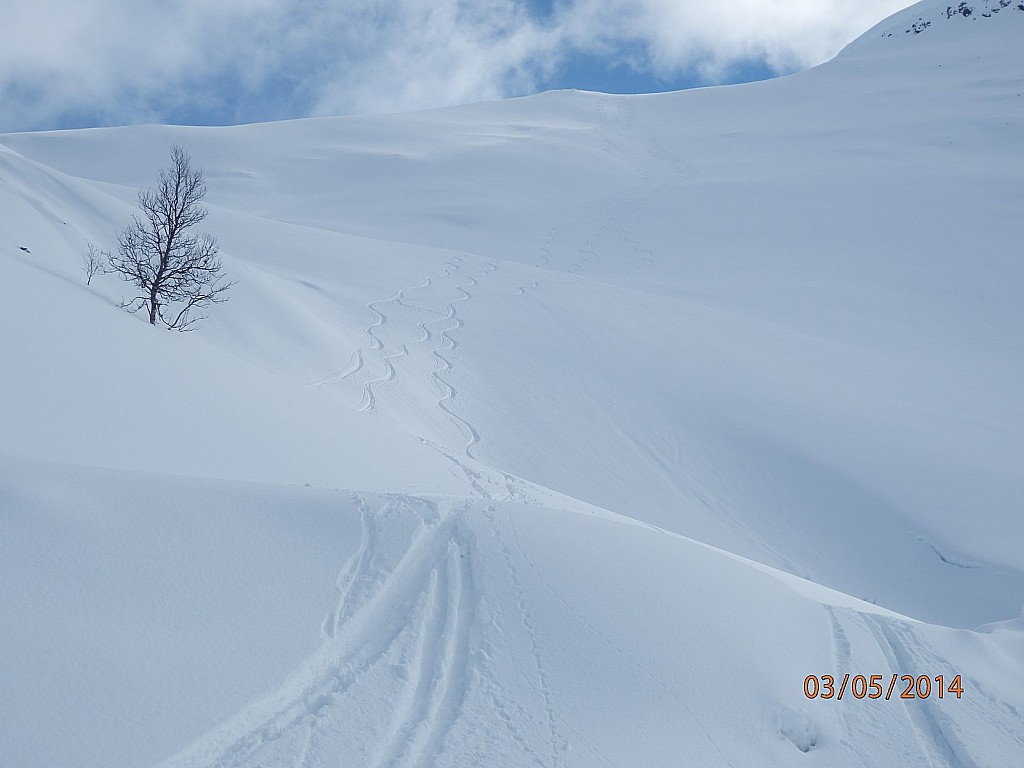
(94, 262)
(177, 274)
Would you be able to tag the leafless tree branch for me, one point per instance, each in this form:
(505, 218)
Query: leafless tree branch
(177, 274)
(94, 262)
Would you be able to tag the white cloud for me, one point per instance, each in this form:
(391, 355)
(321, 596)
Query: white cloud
(443, 52)
(131, 60)
(679, 34)
(117, 57)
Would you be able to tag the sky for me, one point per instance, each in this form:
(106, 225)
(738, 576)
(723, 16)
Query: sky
(115, 62)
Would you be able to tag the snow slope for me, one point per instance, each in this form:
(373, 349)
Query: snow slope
(645, 407)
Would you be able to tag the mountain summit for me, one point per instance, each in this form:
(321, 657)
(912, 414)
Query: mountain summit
(946, 19)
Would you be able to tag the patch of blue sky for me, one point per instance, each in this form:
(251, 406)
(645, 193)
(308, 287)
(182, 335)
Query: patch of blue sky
(626, 70)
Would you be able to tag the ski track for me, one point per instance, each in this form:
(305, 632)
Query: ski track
(430, 702)
(414, 708)
(369, 401)
(448, 391)
(356, 361)
(348, 370)
(916, 655)
(432, 705)
(360, 576)
(930, 727)
(430, 590)
(618, 220)
(842, 659)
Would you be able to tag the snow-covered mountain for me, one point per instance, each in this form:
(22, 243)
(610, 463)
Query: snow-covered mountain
(572, 430)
